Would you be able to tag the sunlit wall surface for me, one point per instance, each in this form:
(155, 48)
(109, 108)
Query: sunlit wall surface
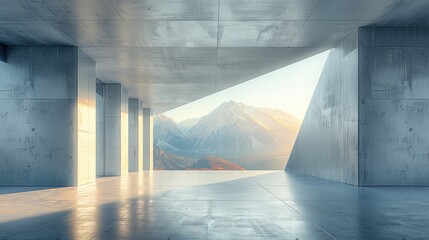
(250, 126)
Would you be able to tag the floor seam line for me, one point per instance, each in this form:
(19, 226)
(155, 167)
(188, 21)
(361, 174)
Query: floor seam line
(314, 224)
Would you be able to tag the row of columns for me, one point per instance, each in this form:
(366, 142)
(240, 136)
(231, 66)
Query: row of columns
(53, 126)
(128, 133)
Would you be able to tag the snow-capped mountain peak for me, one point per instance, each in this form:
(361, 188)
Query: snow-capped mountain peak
(232, 131)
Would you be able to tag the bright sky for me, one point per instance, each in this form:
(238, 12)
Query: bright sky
(288, 89)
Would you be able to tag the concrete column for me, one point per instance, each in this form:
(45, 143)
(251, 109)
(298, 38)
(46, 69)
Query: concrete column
(116, 130)
(3, 55)
(86, 120)
(135, 135)
(140, 138)
(147, 139)
(394, 107)
(47, 115)
(101, 128)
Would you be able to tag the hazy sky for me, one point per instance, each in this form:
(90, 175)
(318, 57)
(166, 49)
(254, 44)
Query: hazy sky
(288, 89)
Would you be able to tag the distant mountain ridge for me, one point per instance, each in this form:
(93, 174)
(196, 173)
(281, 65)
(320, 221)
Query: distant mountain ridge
(167, 135)
(250, 137)
(187, 124)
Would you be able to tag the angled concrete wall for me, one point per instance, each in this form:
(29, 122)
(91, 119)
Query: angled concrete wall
(135, 135)
(327, 143)
(394, 106)
(46, 114)
(384, 83)
(116, 130)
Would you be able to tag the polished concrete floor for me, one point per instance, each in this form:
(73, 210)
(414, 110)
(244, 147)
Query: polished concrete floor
(214, 205)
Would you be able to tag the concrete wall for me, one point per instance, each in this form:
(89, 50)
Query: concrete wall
(101, 128)
(394, 106)
(116, 130)
(42, 101)
(147, 139)
(135, 135)
(327, 142)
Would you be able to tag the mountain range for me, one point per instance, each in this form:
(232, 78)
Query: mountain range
(234, 133)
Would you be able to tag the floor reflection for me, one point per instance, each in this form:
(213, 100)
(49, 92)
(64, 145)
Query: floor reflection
(214, 205)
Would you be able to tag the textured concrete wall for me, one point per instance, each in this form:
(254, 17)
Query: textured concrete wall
(394, 106)
(147, 139)
(39, 115)
(327, 142)
(101, 128)
(116, 130)
(135, 143)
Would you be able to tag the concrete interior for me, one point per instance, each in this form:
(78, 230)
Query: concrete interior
(80, 82)
(171, 52)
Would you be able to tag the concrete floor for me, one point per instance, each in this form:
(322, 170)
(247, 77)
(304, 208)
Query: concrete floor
(214, 205)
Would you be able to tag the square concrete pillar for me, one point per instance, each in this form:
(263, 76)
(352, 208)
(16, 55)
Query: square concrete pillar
(116, 130)
(3, 55)
(101, 128)
(394, 107)
(86, 120)
(47, 114)
(147, 139)
(135, 135)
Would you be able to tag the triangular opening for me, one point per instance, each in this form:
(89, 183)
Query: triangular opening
(250, 126)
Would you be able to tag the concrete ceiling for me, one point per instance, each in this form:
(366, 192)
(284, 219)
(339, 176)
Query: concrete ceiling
(171, 52)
